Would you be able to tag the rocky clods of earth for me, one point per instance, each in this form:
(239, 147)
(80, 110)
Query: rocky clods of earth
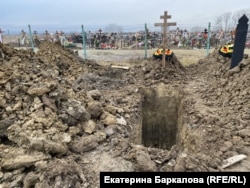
(64, 119)
(219, 108)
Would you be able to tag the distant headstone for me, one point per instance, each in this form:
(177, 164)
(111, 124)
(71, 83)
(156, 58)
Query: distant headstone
(239, 41)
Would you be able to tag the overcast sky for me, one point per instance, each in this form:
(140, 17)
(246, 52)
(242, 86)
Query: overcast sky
(132, 13)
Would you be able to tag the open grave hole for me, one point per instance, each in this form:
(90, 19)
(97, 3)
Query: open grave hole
(160, 121)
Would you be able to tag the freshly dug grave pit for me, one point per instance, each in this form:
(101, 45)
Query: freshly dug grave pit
(160, 117)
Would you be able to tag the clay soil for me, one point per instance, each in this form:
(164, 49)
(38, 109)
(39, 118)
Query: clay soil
(64, 118)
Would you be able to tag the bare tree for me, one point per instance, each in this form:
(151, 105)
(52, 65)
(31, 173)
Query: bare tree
(237, 15)
(228, 20)
(226, 17)
(223, 21)
(219, 23)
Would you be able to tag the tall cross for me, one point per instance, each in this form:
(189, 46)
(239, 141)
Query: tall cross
(164, 25)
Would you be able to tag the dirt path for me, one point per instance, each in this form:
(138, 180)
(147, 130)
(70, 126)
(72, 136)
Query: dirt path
(200, 107)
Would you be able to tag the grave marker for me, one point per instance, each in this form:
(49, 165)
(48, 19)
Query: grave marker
(239, 41)
(164, 25)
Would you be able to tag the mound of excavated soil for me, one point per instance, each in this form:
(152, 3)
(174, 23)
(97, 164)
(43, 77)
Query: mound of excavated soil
(64, 119)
